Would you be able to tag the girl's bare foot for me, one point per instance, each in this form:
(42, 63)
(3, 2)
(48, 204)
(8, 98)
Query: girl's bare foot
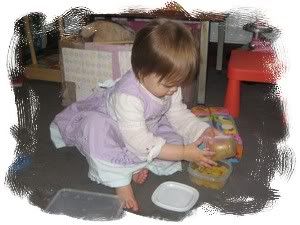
(140, 177)
(125, 193)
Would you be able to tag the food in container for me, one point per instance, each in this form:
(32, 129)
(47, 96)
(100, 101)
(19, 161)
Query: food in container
(214, 177)
(223, 146)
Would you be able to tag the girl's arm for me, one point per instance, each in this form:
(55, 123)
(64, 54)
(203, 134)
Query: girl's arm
(184, 121)
(129, 113)
(187, 152)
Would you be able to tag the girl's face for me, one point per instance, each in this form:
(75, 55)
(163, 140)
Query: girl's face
(158, 89)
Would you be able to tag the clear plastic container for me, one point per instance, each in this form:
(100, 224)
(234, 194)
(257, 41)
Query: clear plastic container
(214, 177)
(86, 205)
(224, 147)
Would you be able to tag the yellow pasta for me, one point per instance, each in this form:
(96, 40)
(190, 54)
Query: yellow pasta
(216, 171)
(214, 177)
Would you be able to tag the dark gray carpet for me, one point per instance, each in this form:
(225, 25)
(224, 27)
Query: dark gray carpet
(247, 191)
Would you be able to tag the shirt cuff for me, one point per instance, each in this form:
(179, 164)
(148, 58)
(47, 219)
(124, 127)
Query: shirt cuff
(155, 149)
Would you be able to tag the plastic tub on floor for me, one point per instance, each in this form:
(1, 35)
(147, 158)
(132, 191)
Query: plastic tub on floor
(86, 205)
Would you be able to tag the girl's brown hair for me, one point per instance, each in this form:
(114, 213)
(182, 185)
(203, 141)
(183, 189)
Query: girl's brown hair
(167, 49)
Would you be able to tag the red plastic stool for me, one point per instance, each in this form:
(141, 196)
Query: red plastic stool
(253, 66)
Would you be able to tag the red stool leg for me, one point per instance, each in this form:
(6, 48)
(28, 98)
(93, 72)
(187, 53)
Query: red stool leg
(232, 97)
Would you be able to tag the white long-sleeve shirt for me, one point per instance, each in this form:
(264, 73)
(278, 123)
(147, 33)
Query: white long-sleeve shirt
(128, 110)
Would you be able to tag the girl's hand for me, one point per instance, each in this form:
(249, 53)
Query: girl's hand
(192, 153)
(207, 135)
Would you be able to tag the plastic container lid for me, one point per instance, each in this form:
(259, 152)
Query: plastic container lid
(86, 205)
(175, 196)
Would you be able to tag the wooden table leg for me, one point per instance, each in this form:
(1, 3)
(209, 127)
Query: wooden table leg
(221, 39)
(201, 79)
(30, 40)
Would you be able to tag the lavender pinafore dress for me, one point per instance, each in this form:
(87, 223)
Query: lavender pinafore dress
(89, 125)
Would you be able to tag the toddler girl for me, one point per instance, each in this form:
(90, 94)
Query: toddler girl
(140, 123)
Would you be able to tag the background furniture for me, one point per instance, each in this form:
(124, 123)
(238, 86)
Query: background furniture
(46, 68)
(251, 66)
(42, 70)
